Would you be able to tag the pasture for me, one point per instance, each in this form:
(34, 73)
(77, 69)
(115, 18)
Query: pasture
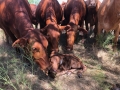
(103, 69)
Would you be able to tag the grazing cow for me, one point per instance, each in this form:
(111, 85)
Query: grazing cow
(15, 21)
(74, 12)
(33, 9)
(60, 63)
(49, 15)
(92, 7)
(109, 18)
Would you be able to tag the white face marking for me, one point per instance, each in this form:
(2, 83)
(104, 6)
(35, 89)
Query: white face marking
(101, 1)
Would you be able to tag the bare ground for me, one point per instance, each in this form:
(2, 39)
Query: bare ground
(103, 69)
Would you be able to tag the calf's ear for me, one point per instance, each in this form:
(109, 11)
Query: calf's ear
(22, 42)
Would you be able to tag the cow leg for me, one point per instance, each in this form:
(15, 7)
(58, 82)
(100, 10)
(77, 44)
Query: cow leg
(98, 33)
(96, 29)
(117, 30)
(99, 29)
(7, 38)
(86, 24)
(8, 33)
(13, 38)
(64, 22)
(36, 25)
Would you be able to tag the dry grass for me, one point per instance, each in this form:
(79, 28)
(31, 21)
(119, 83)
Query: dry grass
(103, 70)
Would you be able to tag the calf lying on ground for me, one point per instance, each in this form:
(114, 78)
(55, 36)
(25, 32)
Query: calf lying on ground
(65, 62)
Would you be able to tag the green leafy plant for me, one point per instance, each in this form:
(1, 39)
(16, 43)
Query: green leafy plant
(104, 39)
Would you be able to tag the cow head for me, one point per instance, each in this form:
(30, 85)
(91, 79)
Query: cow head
(72, 29)
(91, 3)
(71, 35)
(52, 33)
(35, 43)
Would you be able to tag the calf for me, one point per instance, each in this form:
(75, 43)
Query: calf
(65, 62)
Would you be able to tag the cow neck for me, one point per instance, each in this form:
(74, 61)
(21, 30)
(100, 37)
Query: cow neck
(23, 23)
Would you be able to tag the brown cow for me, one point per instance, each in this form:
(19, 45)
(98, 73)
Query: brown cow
(92, 7)
(15, 21)
(49, 15)
(74, 12)
(109, 17)
(33, 9)
(61, 63)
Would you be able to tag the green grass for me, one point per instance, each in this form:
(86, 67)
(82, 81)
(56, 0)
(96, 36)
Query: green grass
(105, 39)
(101, 79)
(13, 70)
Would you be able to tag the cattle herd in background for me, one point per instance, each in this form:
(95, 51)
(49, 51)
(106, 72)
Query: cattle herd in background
(17, 17)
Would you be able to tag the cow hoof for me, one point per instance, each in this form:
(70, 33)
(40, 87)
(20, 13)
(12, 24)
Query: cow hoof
(79, 75)
(51, 74)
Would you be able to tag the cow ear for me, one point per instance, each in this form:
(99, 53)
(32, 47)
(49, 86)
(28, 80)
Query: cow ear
(22, 42)
(83, 30)
(61, 28)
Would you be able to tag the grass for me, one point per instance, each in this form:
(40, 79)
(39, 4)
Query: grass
(16, 74)
(105, 39)
(13, 69)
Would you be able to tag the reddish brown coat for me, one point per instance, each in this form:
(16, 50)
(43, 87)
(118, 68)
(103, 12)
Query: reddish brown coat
(15, 21)
(65, 62)
(109, 18)
(49, 15)
(74, 12)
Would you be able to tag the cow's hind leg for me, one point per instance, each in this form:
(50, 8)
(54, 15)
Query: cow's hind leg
(115, 40)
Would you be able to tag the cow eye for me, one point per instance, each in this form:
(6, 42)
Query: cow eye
(35, 50)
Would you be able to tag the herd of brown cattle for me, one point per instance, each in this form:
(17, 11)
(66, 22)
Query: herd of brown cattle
(17, 17)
